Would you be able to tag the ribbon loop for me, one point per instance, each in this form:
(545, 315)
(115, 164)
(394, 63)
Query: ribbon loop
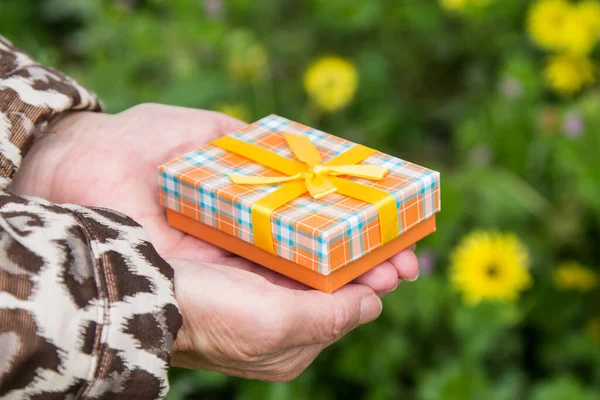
(374, 172)
(316, 176)
(303, 149)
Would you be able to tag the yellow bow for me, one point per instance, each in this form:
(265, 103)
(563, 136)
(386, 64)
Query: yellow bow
(312, 175)
(315, 175)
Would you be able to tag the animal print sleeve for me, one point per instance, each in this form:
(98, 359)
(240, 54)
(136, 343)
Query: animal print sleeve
(87, 309)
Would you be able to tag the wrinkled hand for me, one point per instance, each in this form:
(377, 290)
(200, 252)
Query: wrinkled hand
(242, 325)
(111, 161)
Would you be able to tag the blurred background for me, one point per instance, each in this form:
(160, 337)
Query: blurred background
(500, 96)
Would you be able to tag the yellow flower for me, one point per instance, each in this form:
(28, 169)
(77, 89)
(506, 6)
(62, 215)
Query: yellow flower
(590, 12)
(582, 27)
(460, 5)
(238, 111)
(331, 82)
(573, 276)
(568, 73)
(490, 266)
(248, 64)
(561, 25)
(546, 22)
(592, 329)
(454, 5)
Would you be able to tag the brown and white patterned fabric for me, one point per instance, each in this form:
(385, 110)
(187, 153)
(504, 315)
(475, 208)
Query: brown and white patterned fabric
(87, 308)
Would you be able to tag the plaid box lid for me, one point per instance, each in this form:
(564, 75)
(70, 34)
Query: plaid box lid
(322, 235)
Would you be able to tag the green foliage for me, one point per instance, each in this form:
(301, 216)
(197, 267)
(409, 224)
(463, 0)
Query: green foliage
(460, 93)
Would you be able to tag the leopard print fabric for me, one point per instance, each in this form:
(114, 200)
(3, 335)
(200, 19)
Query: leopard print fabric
(87, 308)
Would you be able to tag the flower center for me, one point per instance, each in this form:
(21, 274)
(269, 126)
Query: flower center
(492, 271)
(331, 82)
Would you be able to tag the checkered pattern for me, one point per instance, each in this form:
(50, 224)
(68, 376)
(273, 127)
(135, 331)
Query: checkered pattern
(322, 235)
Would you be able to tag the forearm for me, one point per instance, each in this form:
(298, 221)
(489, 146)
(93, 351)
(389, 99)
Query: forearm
(83, 310)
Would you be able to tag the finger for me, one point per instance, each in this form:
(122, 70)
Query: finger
(406, 265)
(384, 294)
(315, 317)
(382, 278)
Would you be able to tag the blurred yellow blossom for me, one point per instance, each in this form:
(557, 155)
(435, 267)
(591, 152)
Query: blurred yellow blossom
(461, 5)
(566, 74)
(566, 26)
(573, 276)
(248, 64)
(239, 111)
(592, 329)
(590, 12)
(546, 22)
(454, 5)
(582, 27)
(331, 82)
(490, 266)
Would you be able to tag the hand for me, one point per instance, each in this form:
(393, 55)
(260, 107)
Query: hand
(239, 324)
(111, 161)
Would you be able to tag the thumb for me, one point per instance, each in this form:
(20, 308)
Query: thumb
(325, 318)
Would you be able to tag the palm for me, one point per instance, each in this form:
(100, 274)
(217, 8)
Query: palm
(115, 166)
(111, 161)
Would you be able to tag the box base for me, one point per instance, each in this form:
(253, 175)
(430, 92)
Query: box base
(324, 283)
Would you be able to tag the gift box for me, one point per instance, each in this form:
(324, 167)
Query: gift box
(309, 205)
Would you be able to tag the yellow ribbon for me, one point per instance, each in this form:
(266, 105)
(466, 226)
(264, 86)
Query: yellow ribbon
(314, 176)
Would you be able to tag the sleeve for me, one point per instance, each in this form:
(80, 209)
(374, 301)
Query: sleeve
(87, 306)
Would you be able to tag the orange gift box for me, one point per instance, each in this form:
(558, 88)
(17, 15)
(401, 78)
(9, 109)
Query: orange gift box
(309, 205)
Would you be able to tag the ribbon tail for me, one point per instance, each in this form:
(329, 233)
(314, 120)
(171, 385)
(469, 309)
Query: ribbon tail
(375, 172)
(319, 186)
(261, 180)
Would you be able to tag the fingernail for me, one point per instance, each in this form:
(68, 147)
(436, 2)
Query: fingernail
(370, 308)
(394, 288)
(415, 278)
